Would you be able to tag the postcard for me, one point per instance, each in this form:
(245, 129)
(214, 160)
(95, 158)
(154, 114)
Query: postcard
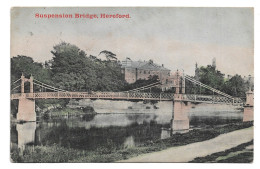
(132, 84)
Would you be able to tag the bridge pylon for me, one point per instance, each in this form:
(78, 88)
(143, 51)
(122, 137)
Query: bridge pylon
(26, 107)
(31, 84)
(22, 83)
(180, 114)
(26, 110)
(249, 107)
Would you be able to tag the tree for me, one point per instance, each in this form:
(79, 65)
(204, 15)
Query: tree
(68, 58)
(211, 77)
(215, 79)
(73, 70)
(26, 65)
(208, 76)
(235, 86)
(109, 55)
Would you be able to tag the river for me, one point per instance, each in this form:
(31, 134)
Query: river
(118, 128)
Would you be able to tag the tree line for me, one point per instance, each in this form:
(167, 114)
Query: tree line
(235, 86)
(72, 69)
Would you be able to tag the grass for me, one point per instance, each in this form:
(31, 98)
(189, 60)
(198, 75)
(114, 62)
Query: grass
(239, 154)
(56, 153)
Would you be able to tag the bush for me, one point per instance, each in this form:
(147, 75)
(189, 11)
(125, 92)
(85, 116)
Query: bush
(89, 109)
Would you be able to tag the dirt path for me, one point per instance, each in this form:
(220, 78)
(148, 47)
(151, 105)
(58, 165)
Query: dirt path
(200, 149)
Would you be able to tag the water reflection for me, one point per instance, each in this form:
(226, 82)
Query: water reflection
(129, 142)
(23, 136)
(72, 136)
(166, 133)
(106, 120)
(26, 134)
(109, 131)
(200, 121)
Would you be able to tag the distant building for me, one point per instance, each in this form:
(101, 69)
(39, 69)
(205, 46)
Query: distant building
(135, 70)
(197, 72)
(174, 80)
(214, 64)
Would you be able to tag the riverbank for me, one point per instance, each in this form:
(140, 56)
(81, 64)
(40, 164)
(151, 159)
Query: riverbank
(56, 153)
(242, 153)
(200, 149)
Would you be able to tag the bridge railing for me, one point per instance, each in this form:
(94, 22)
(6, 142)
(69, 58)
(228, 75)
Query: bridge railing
(15, 96)
(109, 95)
(131, 95)
(211, 99)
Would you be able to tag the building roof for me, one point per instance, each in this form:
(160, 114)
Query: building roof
(146, 65)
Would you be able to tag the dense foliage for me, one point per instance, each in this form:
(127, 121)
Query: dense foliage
(71, 69)
(235, 86)
(27, 66)
(214, 78)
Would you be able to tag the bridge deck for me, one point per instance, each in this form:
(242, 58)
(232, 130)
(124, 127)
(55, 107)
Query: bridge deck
(131, 96)
(95, 95)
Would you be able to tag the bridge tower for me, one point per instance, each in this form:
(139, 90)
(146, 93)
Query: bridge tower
(180, 109)
(26, 107)
(180, 113)
(177, 90)
(249, 107)
(183, 83)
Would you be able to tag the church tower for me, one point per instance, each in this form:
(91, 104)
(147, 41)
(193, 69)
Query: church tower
(214, 62)
(196, 71)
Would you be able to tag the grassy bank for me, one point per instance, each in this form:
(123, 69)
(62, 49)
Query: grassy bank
(243, 153)
(56, 153)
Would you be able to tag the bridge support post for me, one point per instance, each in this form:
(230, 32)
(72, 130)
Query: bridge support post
(180, 114)
(26, 110)
(249, 107)
(177, 90)
(31, 84)
(22, 83)
(183, 83)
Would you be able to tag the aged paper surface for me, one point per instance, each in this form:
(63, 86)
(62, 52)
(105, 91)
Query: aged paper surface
(132, 84)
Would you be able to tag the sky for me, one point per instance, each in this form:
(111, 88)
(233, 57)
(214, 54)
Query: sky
(176, 37)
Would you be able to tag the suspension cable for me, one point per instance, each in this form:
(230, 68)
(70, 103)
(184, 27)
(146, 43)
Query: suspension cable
(207, 87)
(147, 86)
(53, 89)
(15, 87)
(16, 81)
(45, 87)
(210, 88)
(143, 88)
(48, 85)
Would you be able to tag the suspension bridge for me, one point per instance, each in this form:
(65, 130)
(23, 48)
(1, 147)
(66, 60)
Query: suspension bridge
(50, 92)
(41, 90)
